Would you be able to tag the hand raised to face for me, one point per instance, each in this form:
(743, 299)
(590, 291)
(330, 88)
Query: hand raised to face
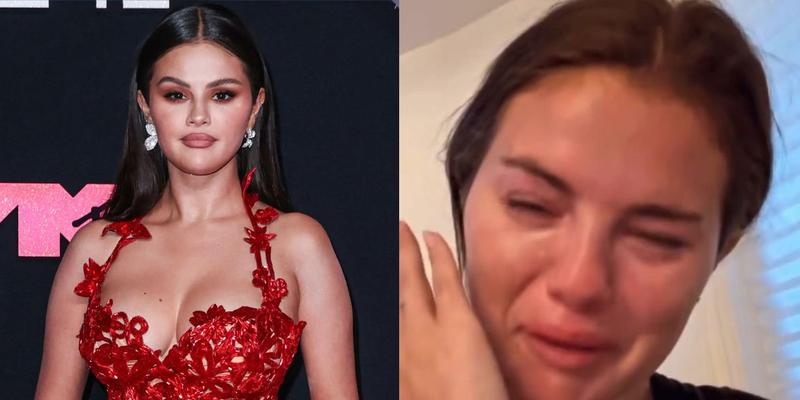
(444, 352)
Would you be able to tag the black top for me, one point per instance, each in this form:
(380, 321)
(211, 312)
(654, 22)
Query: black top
(664, 388)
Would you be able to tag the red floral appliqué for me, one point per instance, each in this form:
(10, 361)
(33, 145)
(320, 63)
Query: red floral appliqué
(265, 216)
(94, 275)
(258, 238)
(127, 230)
(238, 354)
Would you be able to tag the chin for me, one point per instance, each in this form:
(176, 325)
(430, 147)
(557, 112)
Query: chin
(199, 168)
(531, 380)
(200, 161)
(548, 387)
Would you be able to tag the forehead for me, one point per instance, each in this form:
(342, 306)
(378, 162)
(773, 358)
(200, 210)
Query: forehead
(602, 133)
(201, 61)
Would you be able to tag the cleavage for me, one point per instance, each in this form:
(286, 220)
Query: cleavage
(168, 301)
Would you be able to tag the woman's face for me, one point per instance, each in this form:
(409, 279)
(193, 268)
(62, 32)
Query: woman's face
(591, 227)
(201, 105)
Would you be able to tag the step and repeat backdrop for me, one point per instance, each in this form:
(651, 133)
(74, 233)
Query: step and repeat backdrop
(64, 79)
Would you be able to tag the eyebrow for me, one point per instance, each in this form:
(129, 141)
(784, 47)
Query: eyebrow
(532, 167)
(215, 83)
(666, 213)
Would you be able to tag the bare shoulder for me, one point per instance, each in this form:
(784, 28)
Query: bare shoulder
(303, 239)
(296, 227)
(88, 242)
(63, 372)
(299, 227)
(90, 231)
(89, 239)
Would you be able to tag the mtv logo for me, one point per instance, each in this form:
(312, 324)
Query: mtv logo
(46, 212)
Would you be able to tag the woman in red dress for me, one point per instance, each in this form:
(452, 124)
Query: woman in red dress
(199, 282)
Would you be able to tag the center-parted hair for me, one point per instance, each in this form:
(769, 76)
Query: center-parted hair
(692, 49)
(143, 174)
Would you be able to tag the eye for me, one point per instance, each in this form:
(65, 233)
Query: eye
(664, 241)
(223, 95)
(173, 96)
(528, 207)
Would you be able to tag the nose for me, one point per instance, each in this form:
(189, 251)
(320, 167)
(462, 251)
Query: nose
(198, 115)
(582, 275)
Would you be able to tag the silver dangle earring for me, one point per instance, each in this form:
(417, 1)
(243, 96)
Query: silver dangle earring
(152, 138)
(250, 133)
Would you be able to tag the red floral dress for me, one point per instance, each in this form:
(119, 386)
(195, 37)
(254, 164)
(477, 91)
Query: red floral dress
(238, 354)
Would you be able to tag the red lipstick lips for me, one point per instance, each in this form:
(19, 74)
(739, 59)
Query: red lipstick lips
(198, 140)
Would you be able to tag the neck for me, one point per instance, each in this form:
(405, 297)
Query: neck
(638, 391)
(192, 198)
(641, 391)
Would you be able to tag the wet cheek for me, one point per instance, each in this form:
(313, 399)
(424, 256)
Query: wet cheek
(657, 334)
(655, 312)
(669, 292)
(502, 261)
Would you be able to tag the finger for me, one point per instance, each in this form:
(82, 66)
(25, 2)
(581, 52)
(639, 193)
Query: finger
(446, 276)
(415, 293)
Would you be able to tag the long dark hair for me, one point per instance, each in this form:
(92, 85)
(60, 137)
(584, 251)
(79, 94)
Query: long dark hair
(143, 174)
(692, 48)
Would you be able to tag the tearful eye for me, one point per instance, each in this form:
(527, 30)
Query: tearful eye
(528, 206)
(664, 241)
(529, 214)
